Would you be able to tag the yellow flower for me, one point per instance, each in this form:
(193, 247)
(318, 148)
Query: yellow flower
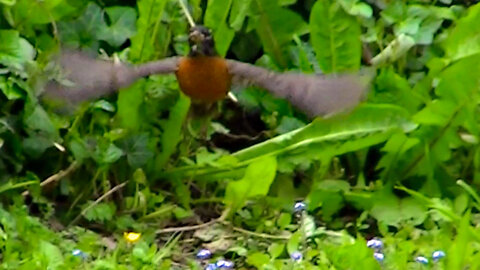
(131, 237)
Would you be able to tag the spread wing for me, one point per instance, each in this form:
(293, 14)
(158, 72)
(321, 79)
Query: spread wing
(84, 77)
(316, 95)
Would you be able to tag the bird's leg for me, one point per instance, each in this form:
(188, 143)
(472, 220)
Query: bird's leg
(199, 119)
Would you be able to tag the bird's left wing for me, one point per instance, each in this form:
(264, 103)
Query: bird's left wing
(84, 77)
(315, 95)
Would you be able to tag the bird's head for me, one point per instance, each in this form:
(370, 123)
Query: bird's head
(201, 41)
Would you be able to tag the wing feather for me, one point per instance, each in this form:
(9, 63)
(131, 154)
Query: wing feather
(316, 95)
(84, 77)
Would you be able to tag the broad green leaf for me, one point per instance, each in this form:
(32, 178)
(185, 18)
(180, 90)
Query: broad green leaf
(276, 26)
(328, 195)
(26, 13)
(258, 259)
(122, 25)
(392, 211)
(335, 37)
(238, 13)
(216, 19)
(172, 130)
(150, 13)
(129, 104)
(256, 181)
(14, 50)
(464, 39)
(50, 255)
(366, 126)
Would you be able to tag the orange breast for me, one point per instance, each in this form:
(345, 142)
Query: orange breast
(204, 78)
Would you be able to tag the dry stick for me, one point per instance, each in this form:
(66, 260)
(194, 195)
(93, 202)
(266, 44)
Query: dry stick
(260, 235)
(108, 193)
(56, 177)
(221, 220)
(187, 228)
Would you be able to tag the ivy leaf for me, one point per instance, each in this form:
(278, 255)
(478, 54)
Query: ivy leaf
(107, 153)
(122, 25)
(86, 30)
(137, 150)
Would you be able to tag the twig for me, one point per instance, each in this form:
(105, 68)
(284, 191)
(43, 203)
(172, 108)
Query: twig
(221, 220)
(108, 193)
(260, 235)
(194, 227)
(187, 228)
(56, 177)
(187, 13)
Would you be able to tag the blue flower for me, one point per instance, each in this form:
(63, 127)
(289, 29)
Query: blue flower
(421, 259)
(204, 254)
(211, 266)
(79, 253)
(379, 256)
(437, 255)
(375, 243)
(299, 207)
(296, 256)
(224, 264)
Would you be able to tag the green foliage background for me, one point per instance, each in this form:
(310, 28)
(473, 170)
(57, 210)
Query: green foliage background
(403, 166)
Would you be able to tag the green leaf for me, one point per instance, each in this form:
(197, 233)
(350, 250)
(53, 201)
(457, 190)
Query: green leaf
(395, 49)
(86, 30)
(107, 153)
(335, 37)
(238, 13)
(216, 19)
(276, 249)
(149, 17)
(50, 255)
(172, 130)
(129, 104)
(14, 50)
(464, 39)
(276, 26)
(100, 212)
(258, 259)
(122, 25)
(256, 181)
(356, 8)
(329, 195)
(36, 120)
(368, 125)
(392, 211)
(137, 149)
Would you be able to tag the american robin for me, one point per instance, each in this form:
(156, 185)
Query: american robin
(206, 78)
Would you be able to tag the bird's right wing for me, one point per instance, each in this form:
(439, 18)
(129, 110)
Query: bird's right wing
(316, 95)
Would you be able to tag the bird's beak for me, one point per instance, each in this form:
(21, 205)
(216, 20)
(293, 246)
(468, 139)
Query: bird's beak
(196, 36)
